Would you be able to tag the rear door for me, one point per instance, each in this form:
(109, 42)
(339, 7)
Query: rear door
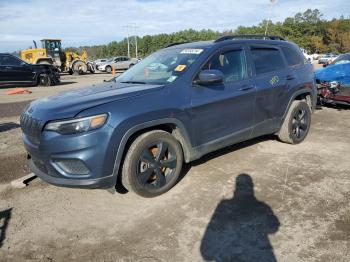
(224, 110)
(271, 80)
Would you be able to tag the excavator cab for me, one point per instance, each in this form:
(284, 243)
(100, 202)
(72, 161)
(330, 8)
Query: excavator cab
(54, 50)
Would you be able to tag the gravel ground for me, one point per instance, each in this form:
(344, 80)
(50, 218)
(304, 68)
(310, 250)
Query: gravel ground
(261, 200)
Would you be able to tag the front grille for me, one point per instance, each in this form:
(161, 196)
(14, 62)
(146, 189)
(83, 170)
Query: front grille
(31, 127)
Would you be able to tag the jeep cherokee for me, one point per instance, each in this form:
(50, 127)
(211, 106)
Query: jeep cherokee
(175, 106)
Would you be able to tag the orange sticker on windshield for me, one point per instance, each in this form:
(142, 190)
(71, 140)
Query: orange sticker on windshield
(180, 68)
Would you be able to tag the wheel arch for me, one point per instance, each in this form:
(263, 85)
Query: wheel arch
(48, 59)
(170, 125)
(302, 94)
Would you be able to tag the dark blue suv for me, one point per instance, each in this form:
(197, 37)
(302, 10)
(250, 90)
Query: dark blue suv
(176, 105)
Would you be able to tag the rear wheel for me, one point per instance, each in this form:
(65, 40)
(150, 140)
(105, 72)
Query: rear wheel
(152, 164)
(79, 67)
(296, 125)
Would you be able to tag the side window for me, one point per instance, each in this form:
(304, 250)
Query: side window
(267, 60)
(292, 56)
(9, 61)
(232, 64)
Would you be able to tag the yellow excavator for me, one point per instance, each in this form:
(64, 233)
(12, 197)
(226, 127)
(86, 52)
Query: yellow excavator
(52, 53)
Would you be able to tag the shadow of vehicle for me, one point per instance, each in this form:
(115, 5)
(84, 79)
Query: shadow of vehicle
(239, 227)
(5, 216)
(8, 126)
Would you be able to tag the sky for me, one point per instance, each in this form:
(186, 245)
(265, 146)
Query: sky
(83, 22)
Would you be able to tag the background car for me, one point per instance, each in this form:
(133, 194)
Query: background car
(119, 63)
(16, 72)
(333, 83)
(327, 58)
(100, 61)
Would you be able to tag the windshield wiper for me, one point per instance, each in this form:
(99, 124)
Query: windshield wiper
(133, 82)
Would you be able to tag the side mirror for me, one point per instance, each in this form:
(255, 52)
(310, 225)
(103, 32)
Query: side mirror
(207, 77)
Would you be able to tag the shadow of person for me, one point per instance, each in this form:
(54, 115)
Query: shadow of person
(4, 219)
(239, 227)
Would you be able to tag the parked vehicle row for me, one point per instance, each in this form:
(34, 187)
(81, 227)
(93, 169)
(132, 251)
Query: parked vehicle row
(175, 106)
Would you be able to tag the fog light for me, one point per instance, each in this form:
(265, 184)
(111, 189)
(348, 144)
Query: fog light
(72, 166)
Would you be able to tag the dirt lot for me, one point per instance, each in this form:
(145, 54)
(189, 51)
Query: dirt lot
(257, 201)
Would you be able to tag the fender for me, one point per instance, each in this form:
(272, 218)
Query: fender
(297, 93)
(180, 134)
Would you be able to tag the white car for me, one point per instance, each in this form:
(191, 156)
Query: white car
(327, 58)
(119, 63)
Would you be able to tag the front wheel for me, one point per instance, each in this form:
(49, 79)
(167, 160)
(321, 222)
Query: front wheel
(108, 69)
(44, 80)
(152, 164)
(296, 125)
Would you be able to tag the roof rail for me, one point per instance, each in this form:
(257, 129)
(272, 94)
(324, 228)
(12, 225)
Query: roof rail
(172, 44)
(264, 37)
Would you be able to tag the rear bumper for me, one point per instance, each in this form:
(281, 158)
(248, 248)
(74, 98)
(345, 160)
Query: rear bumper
(103, 182)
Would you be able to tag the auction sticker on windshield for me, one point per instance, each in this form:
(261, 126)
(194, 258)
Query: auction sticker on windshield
(192, 51)
(180, 68)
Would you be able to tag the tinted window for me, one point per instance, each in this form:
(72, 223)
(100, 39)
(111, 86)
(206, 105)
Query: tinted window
(10, 60)
(293, 57)
(267, 60)
(232, 64)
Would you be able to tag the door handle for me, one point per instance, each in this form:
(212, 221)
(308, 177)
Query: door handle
(246, 87)
(290, 77)
(8, 67)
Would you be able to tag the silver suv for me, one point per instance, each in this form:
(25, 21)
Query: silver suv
(119, 63)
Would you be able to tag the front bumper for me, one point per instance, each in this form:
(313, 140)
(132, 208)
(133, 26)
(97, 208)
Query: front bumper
(103, 182)
(91, 149)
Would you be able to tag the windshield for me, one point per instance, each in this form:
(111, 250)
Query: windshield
(162, 67)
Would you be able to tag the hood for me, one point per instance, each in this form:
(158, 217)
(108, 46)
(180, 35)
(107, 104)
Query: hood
(68, 104)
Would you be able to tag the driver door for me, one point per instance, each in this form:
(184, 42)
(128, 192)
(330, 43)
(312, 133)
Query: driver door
(224, 112)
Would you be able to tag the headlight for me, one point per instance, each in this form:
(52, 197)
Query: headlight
(79, 125)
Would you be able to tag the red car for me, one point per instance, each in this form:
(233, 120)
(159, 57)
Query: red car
(333, 83)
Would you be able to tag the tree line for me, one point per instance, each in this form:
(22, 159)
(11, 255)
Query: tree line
(308, 29)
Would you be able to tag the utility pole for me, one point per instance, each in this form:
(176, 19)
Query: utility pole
(128, 27)
(136, 55)
(272, 2)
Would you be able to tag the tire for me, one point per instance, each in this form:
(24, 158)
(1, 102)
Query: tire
(296, 125)
(44, 80)
(145, 157)
(108, 69)
(131, 65)
(79, 67)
